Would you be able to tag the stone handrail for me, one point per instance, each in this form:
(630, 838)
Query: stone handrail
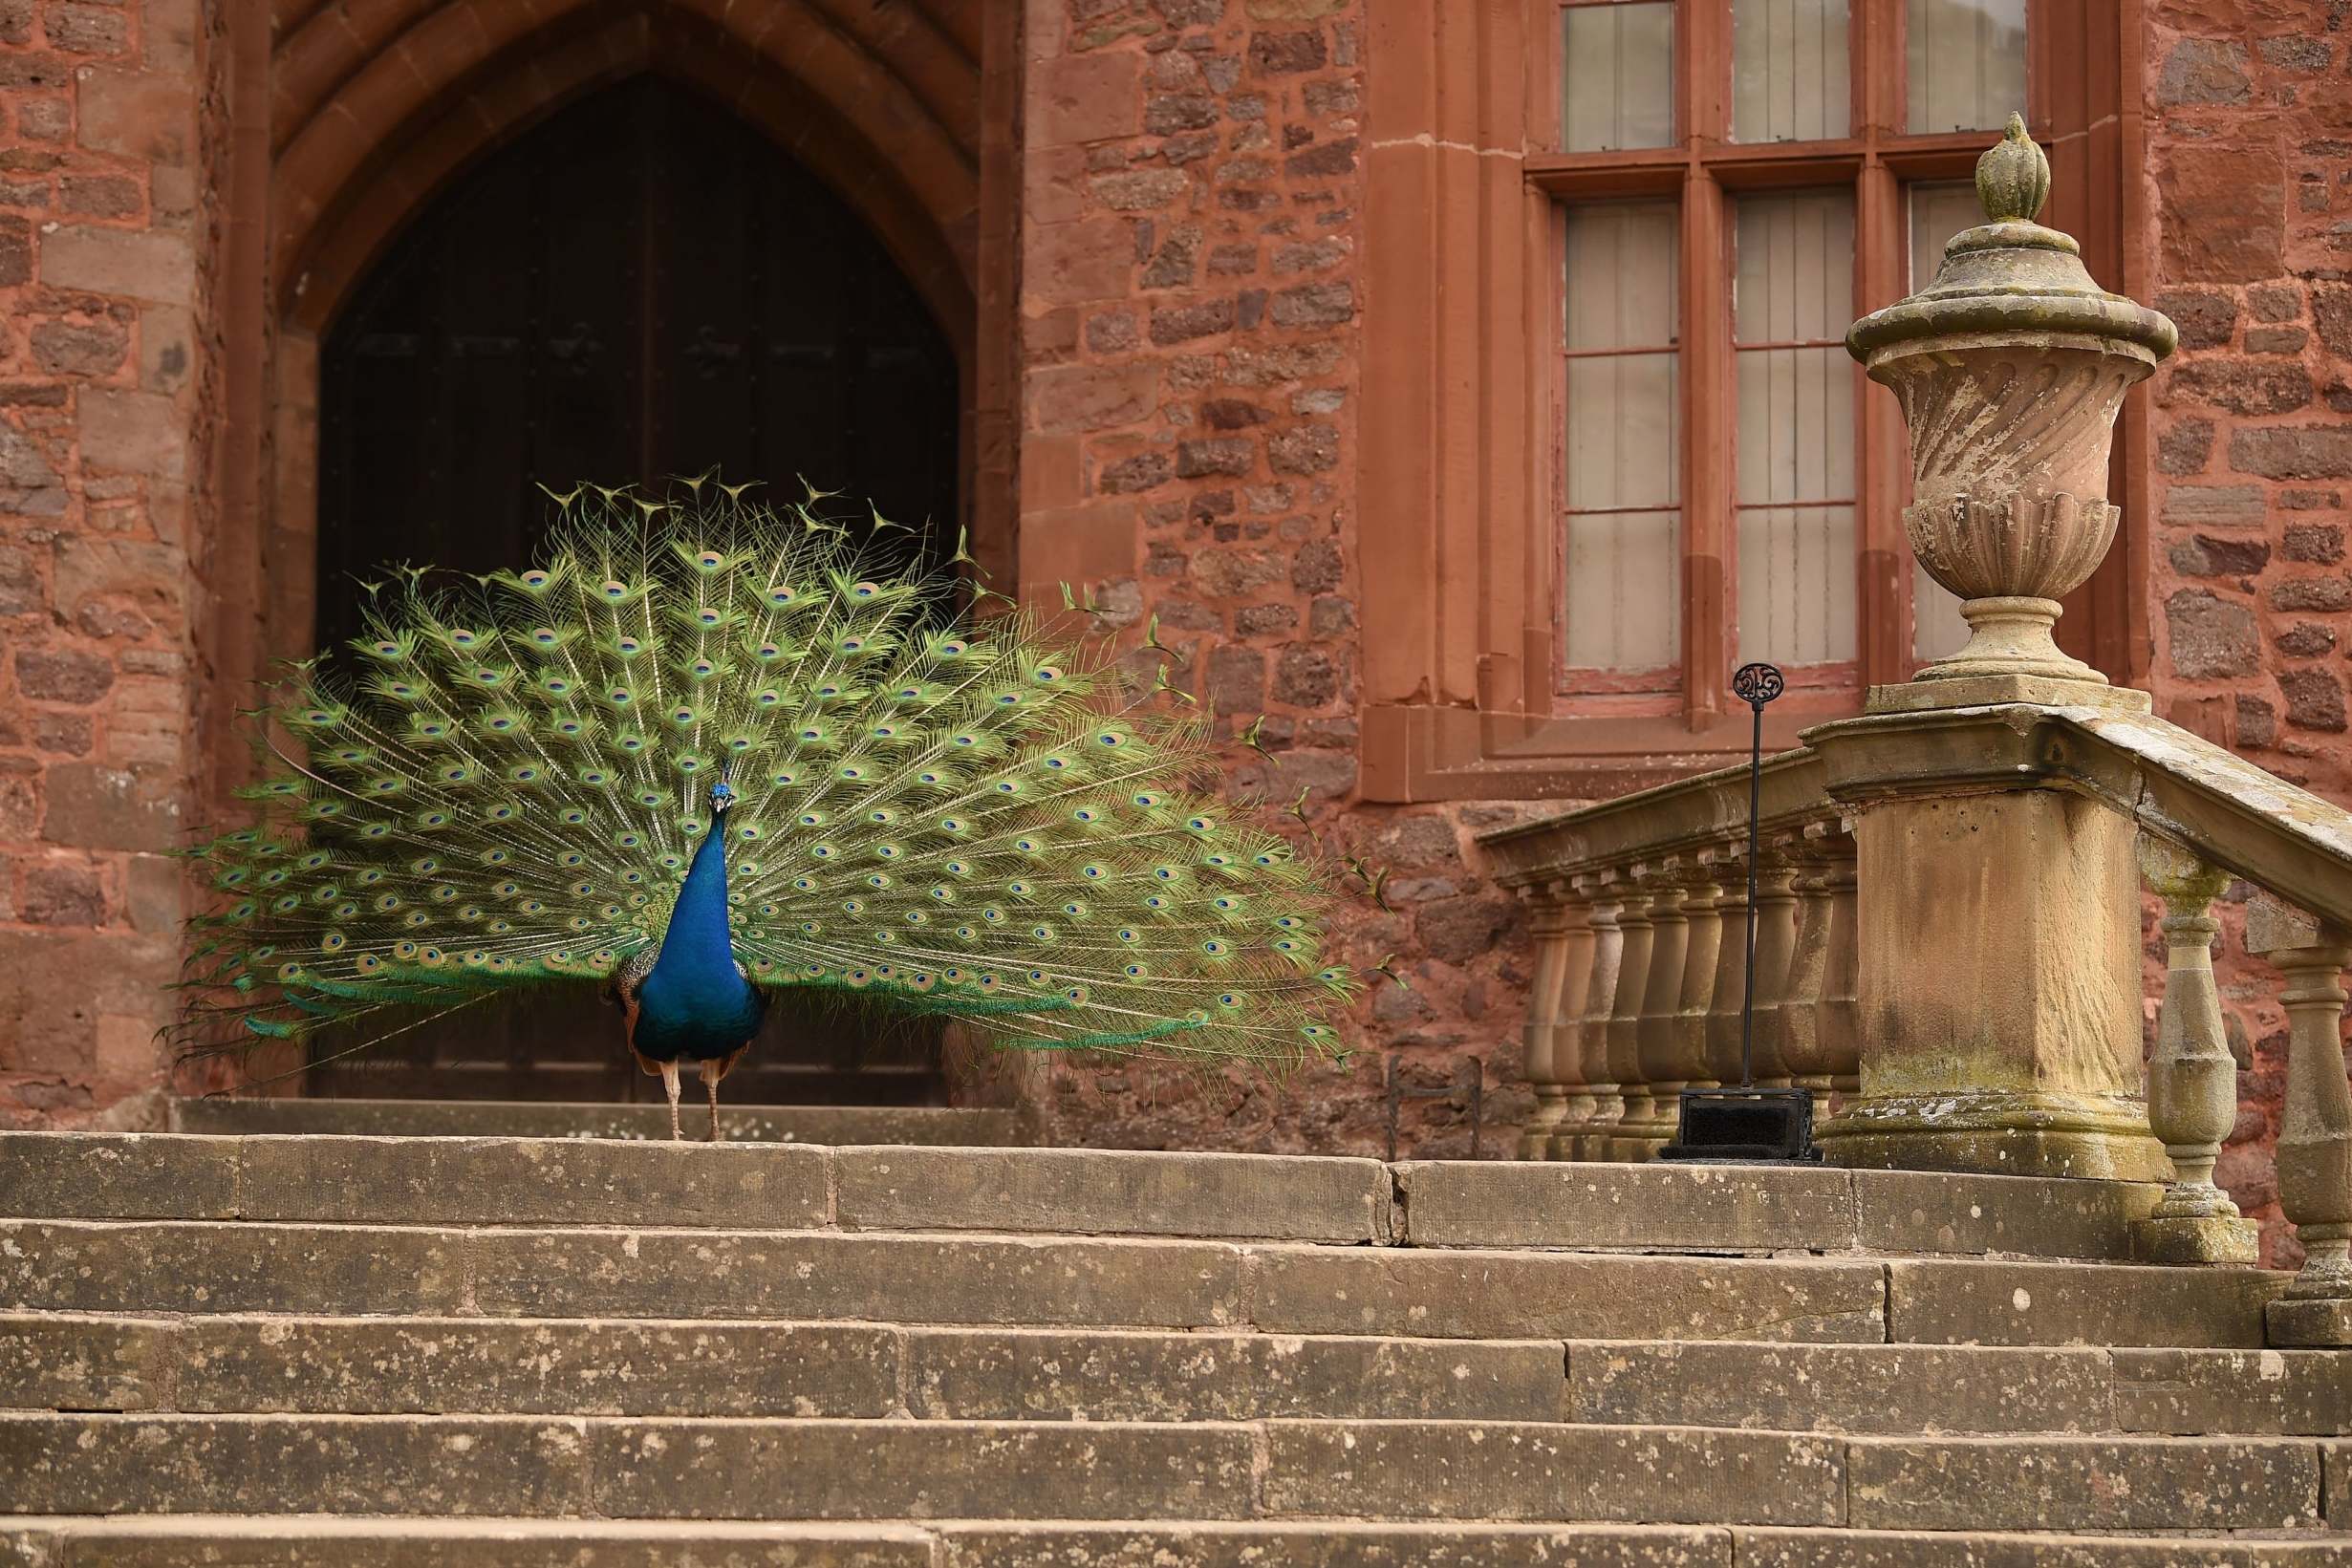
(1639, 909)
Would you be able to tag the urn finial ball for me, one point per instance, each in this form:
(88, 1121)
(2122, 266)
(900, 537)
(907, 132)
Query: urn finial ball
(2013, 178)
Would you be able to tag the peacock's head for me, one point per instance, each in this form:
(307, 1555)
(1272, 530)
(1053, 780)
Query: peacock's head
(722, 795)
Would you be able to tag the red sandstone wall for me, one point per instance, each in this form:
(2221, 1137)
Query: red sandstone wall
(2249, 165)
(104, 230)
(1190, 301)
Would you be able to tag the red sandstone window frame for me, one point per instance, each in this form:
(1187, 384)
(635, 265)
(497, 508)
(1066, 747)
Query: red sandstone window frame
(1461, 554)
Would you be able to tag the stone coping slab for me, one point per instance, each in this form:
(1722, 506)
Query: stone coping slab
(454, 1179)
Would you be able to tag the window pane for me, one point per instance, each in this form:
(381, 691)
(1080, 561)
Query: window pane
(1792, 301)
(1789, 77)
(1617, 75)
(1967, 63)
(1621, 446)
(1625, 591)
(1621, 290)
(1939, 212)
(1622, 423)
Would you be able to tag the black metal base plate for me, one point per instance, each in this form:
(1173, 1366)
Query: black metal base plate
(1754, 1126)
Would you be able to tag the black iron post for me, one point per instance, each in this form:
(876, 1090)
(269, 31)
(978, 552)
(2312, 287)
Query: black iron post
(1748, 1122)
(1755, 684)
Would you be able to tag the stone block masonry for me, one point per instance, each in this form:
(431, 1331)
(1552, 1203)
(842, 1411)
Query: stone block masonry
(110, 118)
(1191, 317)
(2249, 585)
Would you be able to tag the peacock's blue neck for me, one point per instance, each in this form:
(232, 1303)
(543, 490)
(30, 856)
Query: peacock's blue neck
(698, 955)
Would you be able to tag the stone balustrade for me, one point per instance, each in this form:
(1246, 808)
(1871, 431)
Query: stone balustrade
(1639, 910)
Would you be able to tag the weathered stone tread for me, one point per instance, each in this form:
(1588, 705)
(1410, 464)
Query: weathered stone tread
(726, 1367)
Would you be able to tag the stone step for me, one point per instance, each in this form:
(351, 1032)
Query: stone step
(181, 1541)
(551, 1181)
(181, 1266)
(1905, 1389)
(455, 1179)
(958, 1126)
(836, 1471)
(1722, 1208)
(725, 1368)
(459, 1365)
(201, 1266)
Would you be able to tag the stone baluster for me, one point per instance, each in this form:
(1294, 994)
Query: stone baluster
(2315, 1131)
(1555, 999)
(1587, 1140)
(2191, 1076)
(1703, 909)
(1627, 1140)
(1729, 867)
(1797, 1016)
(1654, 1037)
(1837, 1017)
(1776, 945)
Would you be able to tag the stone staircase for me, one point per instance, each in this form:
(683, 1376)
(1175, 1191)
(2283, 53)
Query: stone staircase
(394, 1351)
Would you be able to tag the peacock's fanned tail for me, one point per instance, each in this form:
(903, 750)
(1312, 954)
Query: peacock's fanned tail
(978, 823)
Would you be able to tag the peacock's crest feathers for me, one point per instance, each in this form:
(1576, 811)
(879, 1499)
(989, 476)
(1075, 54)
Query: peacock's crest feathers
(506, 785)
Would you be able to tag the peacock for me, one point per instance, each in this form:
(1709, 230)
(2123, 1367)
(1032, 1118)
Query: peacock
(706, 748)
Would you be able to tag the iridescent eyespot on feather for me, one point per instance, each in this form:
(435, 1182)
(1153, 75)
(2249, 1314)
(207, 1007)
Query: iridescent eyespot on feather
(545, 637)
(781, 595)
(1230, 1000)
(1136, 972)
(1085, 814)
(1046, 675)
(710, 560)
(1092, 872)
(1110, 737)
(1154, 902)
(1056, 764)
(613, 591)
(967, 934)
(1199, 824)
(1019, 889)
(1214, 948)
(1165, 873)
(864, 591)
(1130, 935)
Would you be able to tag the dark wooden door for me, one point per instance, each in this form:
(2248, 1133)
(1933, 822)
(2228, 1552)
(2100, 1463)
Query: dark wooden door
(642, 285)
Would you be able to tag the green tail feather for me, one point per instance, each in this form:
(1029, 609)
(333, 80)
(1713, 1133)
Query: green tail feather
(980, 823)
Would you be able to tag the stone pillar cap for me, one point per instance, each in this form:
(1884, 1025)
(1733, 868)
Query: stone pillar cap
(2010, 278)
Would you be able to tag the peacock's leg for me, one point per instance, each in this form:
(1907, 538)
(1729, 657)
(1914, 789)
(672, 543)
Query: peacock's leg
(669, 1084)
(711, 1069)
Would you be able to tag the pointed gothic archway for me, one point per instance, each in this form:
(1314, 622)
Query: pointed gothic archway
(377, 114)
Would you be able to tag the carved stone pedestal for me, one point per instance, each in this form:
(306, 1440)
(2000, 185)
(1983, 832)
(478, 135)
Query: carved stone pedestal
(1999, 956)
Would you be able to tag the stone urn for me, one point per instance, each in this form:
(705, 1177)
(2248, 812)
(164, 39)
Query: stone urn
(2011, 367)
